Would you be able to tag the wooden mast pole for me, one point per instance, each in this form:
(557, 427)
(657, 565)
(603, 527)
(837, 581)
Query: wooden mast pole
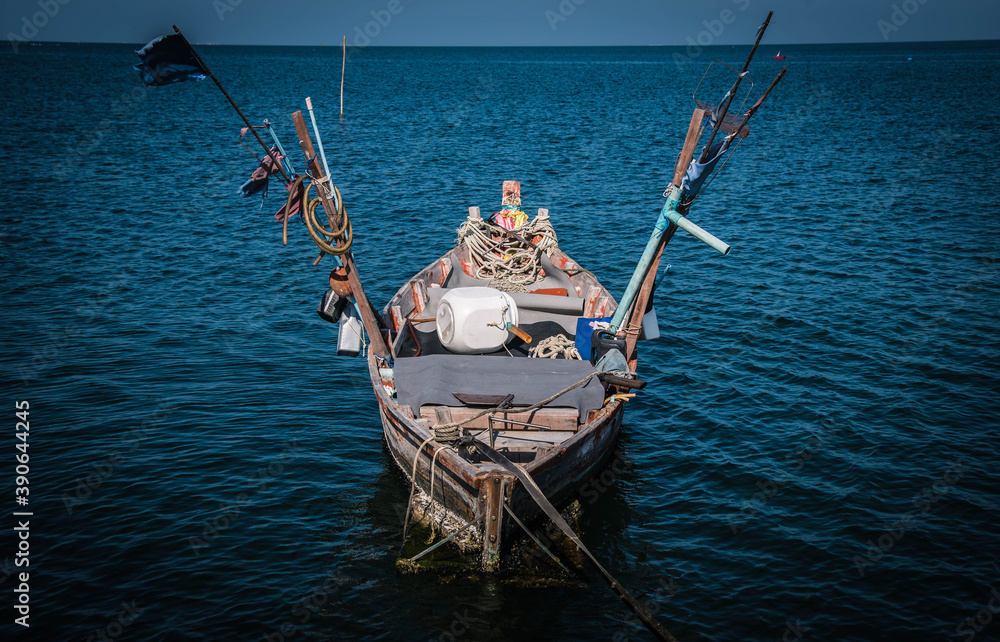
(646, 288)
(368, 317)
(687, 155)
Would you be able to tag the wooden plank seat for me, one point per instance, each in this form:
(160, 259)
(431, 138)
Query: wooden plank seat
(558, 419)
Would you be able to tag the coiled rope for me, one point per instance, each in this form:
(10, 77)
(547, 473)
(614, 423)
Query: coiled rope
(308, 207)
(558, 345)
(508, 263)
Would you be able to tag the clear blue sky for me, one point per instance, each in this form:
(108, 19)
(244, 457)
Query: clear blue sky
(498, 22)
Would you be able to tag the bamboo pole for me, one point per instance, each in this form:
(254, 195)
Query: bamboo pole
(231, 102)
(343, 66)
(755, 107)
(724, 109)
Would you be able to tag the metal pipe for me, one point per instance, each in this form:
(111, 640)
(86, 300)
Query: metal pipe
(319, 141)
(702, 235)
(277, 143)
(668, 216)
(662, 223)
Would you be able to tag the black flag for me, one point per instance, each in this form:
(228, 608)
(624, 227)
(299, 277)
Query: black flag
(169, 59)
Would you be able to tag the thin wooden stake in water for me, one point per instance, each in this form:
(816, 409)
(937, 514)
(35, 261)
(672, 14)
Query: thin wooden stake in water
(343, 66)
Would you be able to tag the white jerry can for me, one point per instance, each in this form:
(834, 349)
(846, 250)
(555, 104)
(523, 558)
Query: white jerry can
(349, 330)
(474, 320)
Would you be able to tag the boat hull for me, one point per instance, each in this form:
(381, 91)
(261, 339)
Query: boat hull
(474, 493)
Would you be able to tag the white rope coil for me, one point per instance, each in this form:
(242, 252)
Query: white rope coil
(507, 263)
(555, 347)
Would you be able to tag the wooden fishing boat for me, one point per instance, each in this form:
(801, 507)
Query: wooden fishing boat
(427, 389)
(482, 427)
(502, 369)
(487, 432)
(439, 394)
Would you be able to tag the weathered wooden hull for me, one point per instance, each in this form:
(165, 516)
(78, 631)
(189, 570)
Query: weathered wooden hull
(474, 493)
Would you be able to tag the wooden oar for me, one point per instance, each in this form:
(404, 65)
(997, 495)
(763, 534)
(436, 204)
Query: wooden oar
(539, 497)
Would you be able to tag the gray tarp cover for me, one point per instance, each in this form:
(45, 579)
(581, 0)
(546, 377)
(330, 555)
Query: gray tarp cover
(430, 380)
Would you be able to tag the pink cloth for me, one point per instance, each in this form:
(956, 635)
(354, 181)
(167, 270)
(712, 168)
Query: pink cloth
(294, 209)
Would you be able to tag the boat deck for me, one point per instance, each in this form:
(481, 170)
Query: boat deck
(433, 385)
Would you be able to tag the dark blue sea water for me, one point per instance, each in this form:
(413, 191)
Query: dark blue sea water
(816, 455)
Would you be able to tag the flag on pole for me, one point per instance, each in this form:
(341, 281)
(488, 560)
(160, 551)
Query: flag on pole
(168, 59)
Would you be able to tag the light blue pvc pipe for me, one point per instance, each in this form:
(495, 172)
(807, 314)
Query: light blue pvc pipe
(662, 223)
(668, 215)
(285, 161)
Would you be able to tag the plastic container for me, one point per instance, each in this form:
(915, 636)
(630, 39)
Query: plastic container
(650, 326)
(584, 329)
(474, 320)
(332, 306)
(349, 333)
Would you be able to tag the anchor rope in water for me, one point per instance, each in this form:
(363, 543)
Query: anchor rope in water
(413, 481)
(430, 504)
(508, 263)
